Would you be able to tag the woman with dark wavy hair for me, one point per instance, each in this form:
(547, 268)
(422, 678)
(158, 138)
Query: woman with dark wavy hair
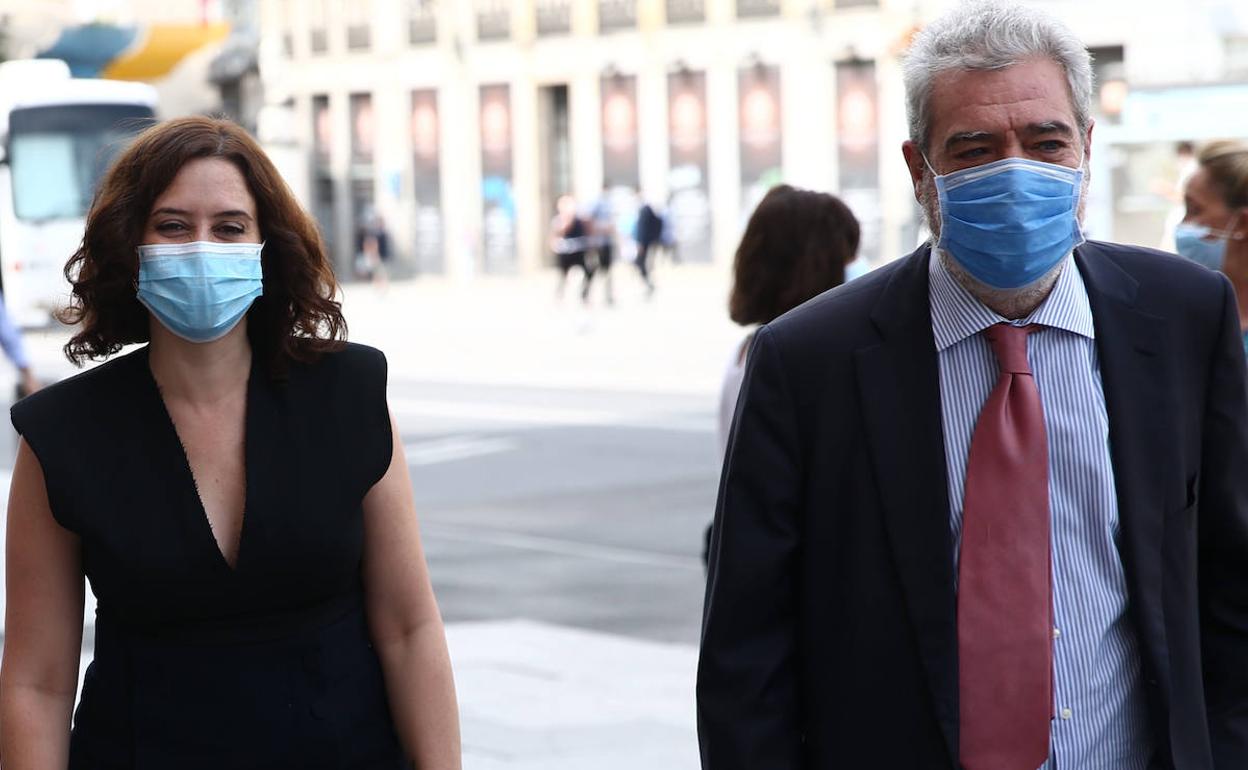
(235, 490)
(795, 247)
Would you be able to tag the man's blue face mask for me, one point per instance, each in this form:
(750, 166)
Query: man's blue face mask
(201, 290)
(1009, 222)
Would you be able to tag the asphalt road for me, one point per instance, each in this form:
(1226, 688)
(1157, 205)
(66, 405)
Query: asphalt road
(578, 508)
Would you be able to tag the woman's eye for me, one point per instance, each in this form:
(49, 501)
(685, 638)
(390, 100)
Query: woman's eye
(231, 229)
(169, 227)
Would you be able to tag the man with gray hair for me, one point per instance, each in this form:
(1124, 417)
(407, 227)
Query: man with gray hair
(987, 506)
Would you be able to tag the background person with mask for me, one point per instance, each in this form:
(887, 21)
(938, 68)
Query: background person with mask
(1214, 230)
(985, 507)
(235, 491)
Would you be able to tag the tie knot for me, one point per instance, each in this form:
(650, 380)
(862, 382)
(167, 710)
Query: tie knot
(1009, 343)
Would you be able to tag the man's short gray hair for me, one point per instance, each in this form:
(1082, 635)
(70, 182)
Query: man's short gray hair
(989, 35)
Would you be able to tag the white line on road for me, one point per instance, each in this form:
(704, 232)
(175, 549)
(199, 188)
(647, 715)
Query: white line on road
(453, 448)
(563, 547)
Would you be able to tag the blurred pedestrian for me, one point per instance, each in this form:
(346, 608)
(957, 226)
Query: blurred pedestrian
(235, 490)
(796, 246)
(602, 226)
(570, 242)
(985, 507)
(647, 234)
(15, 349)
(1214, 230)
(372, 247)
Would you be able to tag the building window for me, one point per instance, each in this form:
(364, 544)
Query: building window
(359, 15)
(1109, 73)
(322, 131)
(617, 14)
(493, 19)
(748, 8)
(684, 11)
(363, 129)
(554, 17)
(318, 25)
(422, 22)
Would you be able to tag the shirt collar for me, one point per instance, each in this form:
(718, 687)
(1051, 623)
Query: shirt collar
(956, 314)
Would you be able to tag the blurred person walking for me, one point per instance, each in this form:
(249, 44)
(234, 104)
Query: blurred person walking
(15, 349)
(570, 241)
(647, 234)
(602, 227)
(372, 248)
(985, 507)
(1214, 230)
(235, 491)
(796, 246)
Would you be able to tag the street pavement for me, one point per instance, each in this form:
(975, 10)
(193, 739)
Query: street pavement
(564, 464)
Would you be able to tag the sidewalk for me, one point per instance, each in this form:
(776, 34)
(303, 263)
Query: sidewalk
(540, 697)
(511, 330)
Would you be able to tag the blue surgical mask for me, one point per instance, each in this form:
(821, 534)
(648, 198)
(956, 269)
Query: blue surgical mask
(1011, 221)
(201, 290)
(1191, 242)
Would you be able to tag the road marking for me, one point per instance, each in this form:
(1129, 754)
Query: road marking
(540, 414)
(561, 546)
(454, 448)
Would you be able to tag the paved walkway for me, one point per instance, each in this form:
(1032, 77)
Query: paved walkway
(541, 697)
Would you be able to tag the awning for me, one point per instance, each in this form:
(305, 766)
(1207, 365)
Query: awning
(131, 53)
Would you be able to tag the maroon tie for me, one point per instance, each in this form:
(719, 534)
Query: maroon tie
(1005, 604)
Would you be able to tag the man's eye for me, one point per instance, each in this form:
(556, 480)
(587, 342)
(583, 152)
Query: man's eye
(974, 152)
(1051, 146)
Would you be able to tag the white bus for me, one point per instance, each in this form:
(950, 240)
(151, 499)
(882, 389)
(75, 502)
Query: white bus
(57, 136)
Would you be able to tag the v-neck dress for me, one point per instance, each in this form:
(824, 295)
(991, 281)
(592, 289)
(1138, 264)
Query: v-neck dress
(199, 664)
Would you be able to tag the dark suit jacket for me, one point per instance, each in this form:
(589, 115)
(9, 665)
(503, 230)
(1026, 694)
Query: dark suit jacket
(829, 636)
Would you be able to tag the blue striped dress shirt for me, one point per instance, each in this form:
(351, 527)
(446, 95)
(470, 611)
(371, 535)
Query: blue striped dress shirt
(1100, 721)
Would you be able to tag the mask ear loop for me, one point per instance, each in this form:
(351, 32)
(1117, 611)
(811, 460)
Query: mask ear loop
(1231, 234)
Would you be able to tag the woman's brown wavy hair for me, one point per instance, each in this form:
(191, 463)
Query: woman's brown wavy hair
(795, 246)
(298, 316)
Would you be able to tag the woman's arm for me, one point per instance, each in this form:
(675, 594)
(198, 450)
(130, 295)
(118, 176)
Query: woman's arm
(42, 628)
(405, 623)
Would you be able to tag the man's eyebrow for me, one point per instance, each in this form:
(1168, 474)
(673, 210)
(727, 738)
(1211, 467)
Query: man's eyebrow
(239, 213)
(962, 137)
(1049, 127)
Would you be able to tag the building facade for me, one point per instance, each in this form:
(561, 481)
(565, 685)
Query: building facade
(461, 123)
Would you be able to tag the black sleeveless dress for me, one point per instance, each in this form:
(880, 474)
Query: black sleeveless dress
(267, 664)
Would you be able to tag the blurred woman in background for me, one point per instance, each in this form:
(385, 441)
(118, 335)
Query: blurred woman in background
(1214, 230)
(796, 246)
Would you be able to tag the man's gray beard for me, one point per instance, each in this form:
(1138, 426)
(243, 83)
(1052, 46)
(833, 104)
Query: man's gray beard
(1008, 303)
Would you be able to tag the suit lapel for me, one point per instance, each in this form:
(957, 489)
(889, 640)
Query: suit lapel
(1131, 345)
(899, 392)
